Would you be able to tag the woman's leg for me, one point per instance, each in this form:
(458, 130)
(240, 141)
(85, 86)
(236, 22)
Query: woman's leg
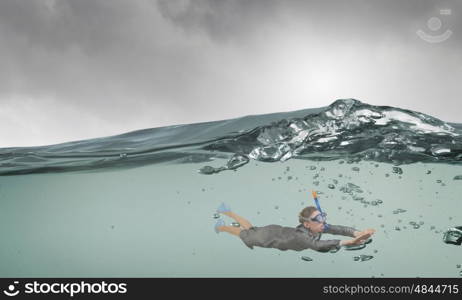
(243, 222)
(230, 229)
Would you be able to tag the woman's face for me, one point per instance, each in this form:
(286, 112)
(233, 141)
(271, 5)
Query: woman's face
(313, 225)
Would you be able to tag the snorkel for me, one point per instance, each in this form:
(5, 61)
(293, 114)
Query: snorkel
(316, 201)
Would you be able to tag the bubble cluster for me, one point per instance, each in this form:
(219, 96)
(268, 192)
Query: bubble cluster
(397, 170)
(376, 202)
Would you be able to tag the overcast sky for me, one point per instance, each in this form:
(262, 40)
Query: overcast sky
(79, 69)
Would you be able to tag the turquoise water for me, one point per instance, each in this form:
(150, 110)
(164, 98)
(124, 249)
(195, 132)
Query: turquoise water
(155, 219)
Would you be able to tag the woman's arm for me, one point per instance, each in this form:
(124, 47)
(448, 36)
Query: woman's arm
(342, 230)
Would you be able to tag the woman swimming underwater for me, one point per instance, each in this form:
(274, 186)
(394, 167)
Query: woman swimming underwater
(307, 235)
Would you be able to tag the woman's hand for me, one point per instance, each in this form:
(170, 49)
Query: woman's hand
(366, 231)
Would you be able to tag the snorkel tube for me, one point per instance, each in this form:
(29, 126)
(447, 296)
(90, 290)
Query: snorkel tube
(316, 201)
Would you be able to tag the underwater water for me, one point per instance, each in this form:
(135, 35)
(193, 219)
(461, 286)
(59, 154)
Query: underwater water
(142, 204)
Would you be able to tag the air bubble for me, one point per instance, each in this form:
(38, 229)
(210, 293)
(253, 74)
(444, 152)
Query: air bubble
(397, 170)
(306, 258)
(364, 257)
(399, 210)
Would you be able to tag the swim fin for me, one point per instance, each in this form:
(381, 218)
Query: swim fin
(223, 208)
(219, 223)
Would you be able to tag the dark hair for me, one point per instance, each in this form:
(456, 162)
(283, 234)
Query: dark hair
(306, 213)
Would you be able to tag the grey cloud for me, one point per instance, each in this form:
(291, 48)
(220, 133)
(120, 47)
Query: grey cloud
(368, 19)
(58, 25)
(221, 20)
(88, 53)
(134, 63)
